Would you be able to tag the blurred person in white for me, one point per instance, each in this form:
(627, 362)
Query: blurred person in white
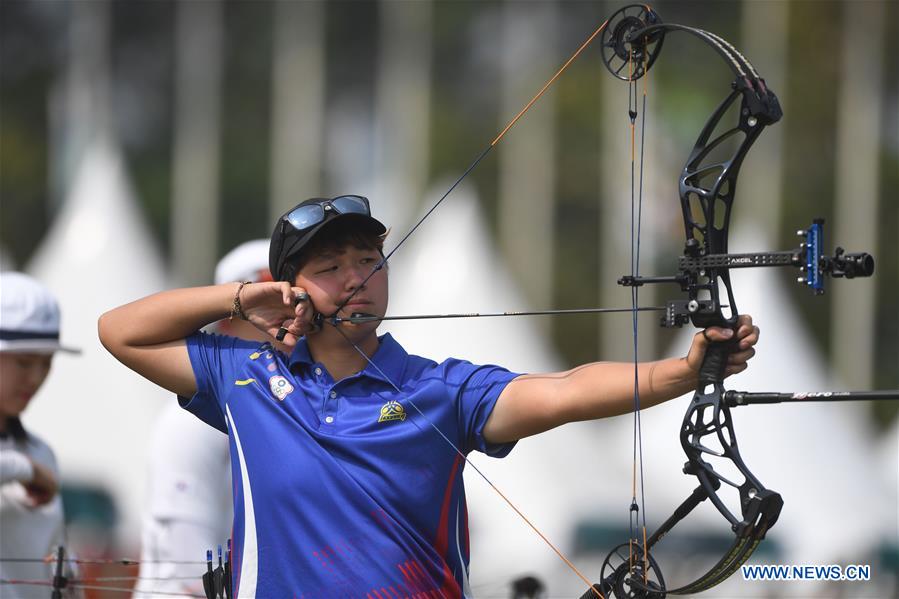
(31, 513)
(189, 507)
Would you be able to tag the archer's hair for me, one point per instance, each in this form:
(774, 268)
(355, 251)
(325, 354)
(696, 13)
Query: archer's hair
(339, 234)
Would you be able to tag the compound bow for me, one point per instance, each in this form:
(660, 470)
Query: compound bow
(633, 39)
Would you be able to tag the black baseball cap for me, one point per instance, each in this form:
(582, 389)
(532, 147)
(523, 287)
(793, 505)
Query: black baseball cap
(296, 228)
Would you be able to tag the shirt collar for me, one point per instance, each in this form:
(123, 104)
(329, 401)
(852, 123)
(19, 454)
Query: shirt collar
(390, 359)
(300, 354)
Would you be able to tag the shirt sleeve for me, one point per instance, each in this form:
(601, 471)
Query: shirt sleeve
(215, 360)
(15, 466)
(478, 389)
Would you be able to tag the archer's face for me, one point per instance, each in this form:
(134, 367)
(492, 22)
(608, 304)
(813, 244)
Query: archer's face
(334, 275)
(21, 375)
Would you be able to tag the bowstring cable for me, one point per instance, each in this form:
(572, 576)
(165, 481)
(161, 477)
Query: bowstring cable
(638, 520)
(632, 115)
(639, 236)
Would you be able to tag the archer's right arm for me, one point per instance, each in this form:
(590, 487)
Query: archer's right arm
(148, 335)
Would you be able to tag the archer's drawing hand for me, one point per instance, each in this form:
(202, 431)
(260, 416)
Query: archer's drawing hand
(747, 335)
(283, 312)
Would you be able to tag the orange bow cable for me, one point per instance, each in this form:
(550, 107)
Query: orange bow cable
(555, 549)
(549, 83)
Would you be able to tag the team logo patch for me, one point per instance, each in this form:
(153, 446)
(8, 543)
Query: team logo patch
(280, 387)
(392, 411)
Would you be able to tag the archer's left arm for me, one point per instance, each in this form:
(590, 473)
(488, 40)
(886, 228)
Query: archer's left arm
(535, 403)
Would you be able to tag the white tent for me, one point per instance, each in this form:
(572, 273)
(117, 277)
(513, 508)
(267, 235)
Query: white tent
(93, 411)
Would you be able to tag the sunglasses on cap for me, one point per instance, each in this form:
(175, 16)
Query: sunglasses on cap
(308, 215)
(296, 227)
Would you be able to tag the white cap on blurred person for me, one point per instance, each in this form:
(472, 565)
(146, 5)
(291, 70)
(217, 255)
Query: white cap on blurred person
(246, 262)
(29, 316)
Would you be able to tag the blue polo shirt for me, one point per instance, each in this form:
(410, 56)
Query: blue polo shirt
(343, 488)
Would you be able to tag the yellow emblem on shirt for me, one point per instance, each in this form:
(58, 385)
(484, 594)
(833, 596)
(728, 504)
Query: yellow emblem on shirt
(392, 411)
(244, 382)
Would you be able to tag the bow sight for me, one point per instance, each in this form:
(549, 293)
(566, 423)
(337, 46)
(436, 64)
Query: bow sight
(694, 268)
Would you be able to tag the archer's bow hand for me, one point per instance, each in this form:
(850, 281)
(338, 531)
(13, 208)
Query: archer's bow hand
(747, 335)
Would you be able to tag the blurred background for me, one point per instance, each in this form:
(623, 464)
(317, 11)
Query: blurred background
(140, 140)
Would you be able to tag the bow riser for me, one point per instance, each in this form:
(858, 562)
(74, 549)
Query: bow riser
(707, 191)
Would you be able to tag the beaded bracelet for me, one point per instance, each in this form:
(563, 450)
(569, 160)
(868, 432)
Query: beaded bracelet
(236, 308)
